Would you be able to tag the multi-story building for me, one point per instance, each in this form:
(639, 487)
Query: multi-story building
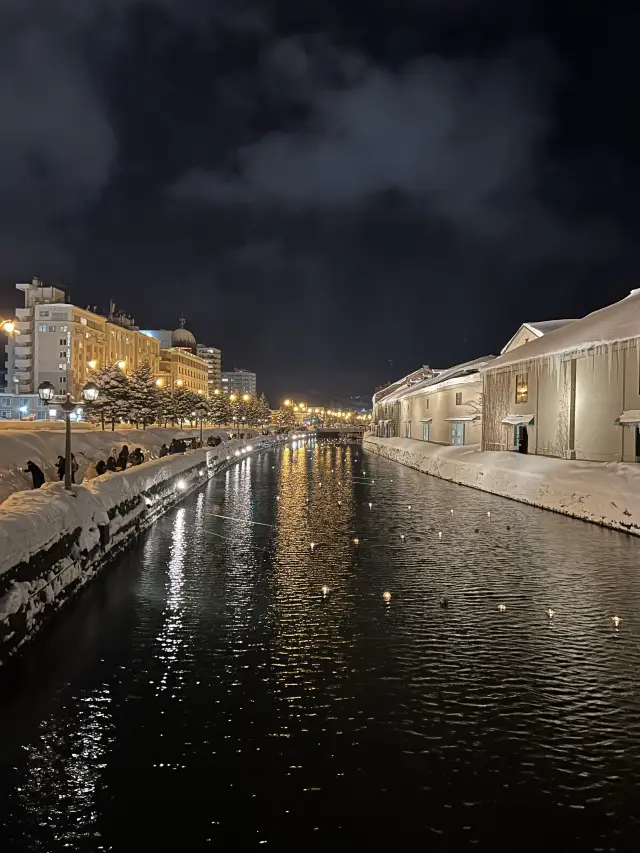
(27, 407)
(213, 357)
(443, 407)
(572, 393)
(238, 382)
(62, 344)
(181, 368)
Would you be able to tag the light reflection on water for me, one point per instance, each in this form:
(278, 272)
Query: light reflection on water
(222, 699)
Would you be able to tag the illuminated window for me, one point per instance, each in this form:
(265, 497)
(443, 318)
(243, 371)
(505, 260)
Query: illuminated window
(458, 398)
(83, 321)
(522, 388)
(42, 328)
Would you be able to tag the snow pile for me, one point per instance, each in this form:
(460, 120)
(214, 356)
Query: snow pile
(43, 446)
(602, 493)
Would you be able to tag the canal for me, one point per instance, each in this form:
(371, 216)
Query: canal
(206, 693)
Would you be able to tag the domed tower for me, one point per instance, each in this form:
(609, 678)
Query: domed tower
(182, 338)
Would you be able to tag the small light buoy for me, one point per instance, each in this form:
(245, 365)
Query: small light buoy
(451, 512)
(386, 596)
(356, 541)
(409, 506)
(489, 514)
(339, 483)
(325, 590)
(277, 497)
(312, 545)
(551, 613)
(339, 503)
(307, 500)
(439, 534)
(364, 473)
(402, 537)
(319, 485)
(502, 608)
(370, 505)
(616, 620)
(373, 482)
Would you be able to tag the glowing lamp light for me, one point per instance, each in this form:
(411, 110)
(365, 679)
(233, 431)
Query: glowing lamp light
(312, 545)
(181, 485)
(489, 514)
(402, 537)
(386, 596)
(616, 620)
(46, 391)
(502, 608)
(201, 472)
(90, 392)
(9, 327)
(551, 613)
(451, 512)
(179, 382)
(439, 534)
(245, 397)
(408, 506)
(250, 448)
(325, 590)
(159, 383)
(93, 364)
(122, 364)
(370, 505)
(237, 453)
(148, 501)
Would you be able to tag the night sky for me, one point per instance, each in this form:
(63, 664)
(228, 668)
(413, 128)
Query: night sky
(323, 187)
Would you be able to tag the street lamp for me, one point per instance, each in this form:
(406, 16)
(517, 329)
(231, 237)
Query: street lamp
(9, 327)
(90, 393)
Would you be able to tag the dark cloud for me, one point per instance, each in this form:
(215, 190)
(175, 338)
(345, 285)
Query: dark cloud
(290, 174)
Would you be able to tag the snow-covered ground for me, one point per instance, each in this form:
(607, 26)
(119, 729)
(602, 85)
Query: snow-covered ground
(603, 493)
(43, 446)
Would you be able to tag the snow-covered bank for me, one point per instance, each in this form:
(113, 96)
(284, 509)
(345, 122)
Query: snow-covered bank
(43, 446)
(602, 493)
(53, 542)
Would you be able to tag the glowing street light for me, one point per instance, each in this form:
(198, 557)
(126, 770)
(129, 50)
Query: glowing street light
(9, 327)
(93, 364)
(122, 364)
(90, 394)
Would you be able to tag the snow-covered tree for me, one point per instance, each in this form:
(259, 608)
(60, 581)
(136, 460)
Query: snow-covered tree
(264, 412)
(143, 395)
(165, 410)
(182, 404)
(114, 399)
(220, 410)
(285, 417)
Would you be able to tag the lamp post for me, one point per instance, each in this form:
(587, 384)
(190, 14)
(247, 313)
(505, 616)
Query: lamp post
(90, 393)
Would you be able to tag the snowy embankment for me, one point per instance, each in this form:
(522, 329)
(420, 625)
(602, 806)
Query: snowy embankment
(53, 542)
(602, 493)
(43, 446)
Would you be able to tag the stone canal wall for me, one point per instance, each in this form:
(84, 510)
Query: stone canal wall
(54, 542)
(607, 494)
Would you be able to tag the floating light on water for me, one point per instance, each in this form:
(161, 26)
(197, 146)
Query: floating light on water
(319, 485)
(402, 537)
(312, 545)
(181, 485)
(551, 613)
(489, 514)
(325, 590)
(228, 457)
(386, 596)
(339, 482)
(502, 608)
(370, 505)
(364, 473)
(237, 453)
(409, 506)
(439, 534)
(616, 620)
(339, 503)
(277, 497)
(356, 542)
(451, 512)
(373, 482)
(249, 447)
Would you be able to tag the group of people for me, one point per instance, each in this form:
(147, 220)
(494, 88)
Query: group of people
(115, 461)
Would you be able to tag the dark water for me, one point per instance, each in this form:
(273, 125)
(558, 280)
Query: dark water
(205, 694)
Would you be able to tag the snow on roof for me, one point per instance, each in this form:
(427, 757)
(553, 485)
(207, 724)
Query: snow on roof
(540, 328)
(617, 322)
(543, 327)
(459, 374)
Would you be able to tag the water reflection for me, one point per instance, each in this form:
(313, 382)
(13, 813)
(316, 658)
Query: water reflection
(333, 721)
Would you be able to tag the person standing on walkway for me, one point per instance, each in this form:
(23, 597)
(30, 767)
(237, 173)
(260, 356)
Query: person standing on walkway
(37, 475)
(60, 467)
(123, 457)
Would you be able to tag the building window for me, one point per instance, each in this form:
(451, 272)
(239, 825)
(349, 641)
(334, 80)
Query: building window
(426, 402)
(457, 433)
(458, 398)
(522, 388)
(83, 321)
(63, 341)
(51, 329)
(425, 431)
(62, 367)
(407, 429)
(63, 328)
(44, 314)
(42, 328)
